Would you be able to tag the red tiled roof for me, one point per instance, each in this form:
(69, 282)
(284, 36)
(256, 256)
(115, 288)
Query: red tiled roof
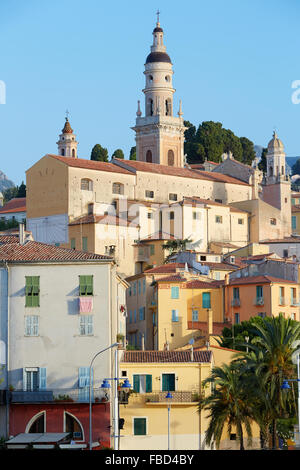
(90, 164)
(175, 278)
(166, 356)
(17, 204)
(262, 279)
(105, 219)
(199, 284)
(33, 251)
(182, 172)
(165, 268)
(220, 266)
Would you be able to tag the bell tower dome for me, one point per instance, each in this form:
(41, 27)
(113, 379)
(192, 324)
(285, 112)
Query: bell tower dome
(159, 134)
(67, 144)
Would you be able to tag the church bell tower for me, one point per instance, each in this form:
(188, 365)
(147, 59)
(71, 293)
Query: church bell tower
(159, 134)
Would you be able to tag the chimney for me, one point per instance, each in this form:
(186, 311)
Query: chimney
(21, 234)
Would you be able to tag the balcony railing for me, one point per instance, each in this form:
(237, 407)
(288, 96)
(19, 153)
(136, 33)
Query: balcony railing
(79, 395)
(282, 301)
(295, 302)
(177, 397)
(259, 301)
(235, 302)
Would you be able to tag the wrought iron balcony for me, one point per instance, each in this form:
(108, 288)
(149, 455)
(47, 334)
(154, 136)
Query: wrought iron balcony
(259, 301)
(177, 397)
(77, 395)
(235, 302)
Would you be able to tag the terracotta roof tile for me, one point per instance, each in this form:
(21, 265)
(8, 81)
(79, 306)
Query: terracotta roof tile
(166, 356)
(199, 284)
(33, 251)
(17, 204)
(165, 268)
(105, 219)
(174, 171)
(262, 279)
(175, 278)
(90, 164)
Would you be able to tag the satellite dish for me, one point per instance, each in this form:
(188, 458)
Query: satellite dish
(191, 341)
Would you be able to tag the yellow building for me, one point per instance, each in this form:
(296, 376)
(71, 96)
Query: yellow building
(153, 374)
(186, 308)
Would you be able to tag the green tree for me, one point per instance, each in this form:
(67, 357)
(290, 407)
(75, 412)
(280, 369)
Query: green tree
(263, 160)
(21, 190)
(228, 405)
(248, 150)
(99, 153)
(270, 361)
(118, 154)
(209, 134)
(231, 143)
(132, 155)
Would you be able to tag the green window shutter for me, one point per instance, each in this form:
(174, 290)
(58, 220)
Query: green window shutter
(85, 285)
(148, 383)
(206, 300)
(32, 291)
(139, 426)
(136, 383)
(175, 292)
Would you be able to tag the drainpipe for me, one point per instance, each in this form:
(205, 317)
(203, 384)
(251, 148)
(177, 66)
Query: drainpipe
(7, 347)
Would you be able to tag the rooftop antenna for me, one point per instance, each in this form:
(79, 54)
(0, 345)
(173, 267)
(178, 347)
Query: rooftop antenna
(158, 13)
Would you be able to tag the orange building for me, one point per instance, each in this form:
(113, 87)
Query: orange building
(261, 295)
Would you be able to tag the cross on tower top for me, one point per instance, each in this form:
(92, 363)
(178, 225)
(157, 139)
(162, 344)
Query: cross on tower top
(158, 13)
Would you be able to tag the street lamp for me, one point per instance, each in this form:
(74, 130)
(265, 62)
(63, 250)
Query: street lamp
(125, 387)
(169, 397)
(285, 387)
(90, 390)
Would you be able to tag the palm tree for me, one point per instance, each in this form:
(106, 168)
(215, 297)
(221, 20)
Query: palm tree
(228, 404)
(267, 364)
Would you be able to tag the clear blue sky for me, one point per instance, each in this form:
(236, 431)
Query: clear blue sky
(234, 62)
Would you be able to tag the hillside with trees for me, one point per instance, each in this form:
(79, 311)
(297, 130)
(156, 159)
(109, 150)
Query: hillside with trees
(210, 140)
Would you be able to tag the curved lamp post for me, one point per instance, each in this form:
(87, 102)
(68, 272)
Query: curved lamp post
(126, 387)
(169, 397)
(90, 391)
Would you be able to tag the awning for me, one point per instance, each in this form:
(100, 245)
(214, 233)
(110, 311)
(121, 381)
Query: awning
(37, 440)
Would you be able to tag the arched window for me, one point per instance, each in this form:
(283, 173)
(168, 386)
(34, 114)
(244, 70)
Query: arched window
(86, 184)
(271, 171)
(37, 423)
(63, 152)
(73, 426)
(149, 156)
(170, 158)
(118, 188)
(151, 107)
(73, 153)
(168, 107)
